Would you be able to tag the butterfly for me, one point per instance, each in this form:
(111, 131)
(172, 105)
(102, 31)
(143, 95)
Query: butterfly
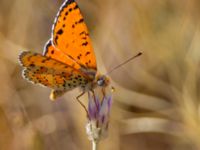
(68, 60)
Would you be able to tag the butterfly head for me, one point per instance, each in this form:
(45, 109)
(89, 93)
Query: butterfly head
(102, 80)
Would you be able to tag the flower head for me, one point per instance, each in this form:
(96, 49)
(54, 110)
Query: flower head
(98, 116)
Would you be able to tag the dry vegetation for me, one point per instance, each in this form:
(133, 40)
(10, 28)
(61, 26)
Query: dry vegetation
(156, 103)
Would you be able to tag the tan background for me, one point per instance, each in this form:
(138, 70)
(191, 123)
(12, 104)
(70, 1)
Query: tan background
(156, 103)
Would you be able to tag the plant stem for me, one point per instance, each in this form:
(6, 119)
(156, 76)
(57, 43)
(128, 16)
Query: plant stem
(94, 145)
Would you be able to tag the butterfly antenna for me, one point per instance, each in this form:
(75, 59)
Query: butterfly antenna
(118, 66)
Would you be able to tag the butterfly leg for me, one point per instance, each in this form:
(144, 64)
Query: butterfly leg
(104, 94)
(95, 101)
(77, 98)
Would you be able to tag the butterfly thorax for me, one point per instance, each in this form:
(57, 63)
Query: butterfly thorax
(98, 81)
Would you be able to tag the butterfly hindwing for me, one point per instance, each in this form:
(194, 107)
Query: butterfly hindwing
(51, 73)
(70, 35)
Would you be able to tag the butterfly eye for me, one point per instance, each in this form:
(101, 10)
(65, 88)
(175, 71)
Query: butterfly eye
(101, 82)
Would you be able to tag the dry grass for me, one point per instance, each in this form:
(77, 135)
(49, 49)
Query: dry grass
(156, 103)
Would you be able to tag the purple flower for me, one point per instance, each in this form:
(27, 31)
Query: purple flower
(98, 115)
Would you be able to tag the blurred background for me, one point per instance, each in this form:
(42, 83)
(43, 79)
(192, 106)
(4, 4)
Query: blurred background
(156, 102)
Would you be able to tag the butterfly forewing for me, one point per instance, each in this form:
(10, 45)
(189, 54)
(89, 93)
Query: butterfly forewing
(70, 35)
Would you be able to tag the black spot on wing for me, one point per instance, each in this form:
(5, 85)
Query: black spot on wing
(76, 7)
(46, 59)
(77, 22)
(85, 44)
(87, 53)
(32, 65)
(79, 56)
(52, 52)
(64, 84)
(81, 20)
(66, 13)
(56, 39)
(69, 85)
(83, 33)
(43, 61)
(60, 32)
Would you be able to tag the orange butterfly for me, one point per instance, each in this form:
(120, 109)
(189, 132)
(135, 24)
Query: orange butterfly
(68, 60)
